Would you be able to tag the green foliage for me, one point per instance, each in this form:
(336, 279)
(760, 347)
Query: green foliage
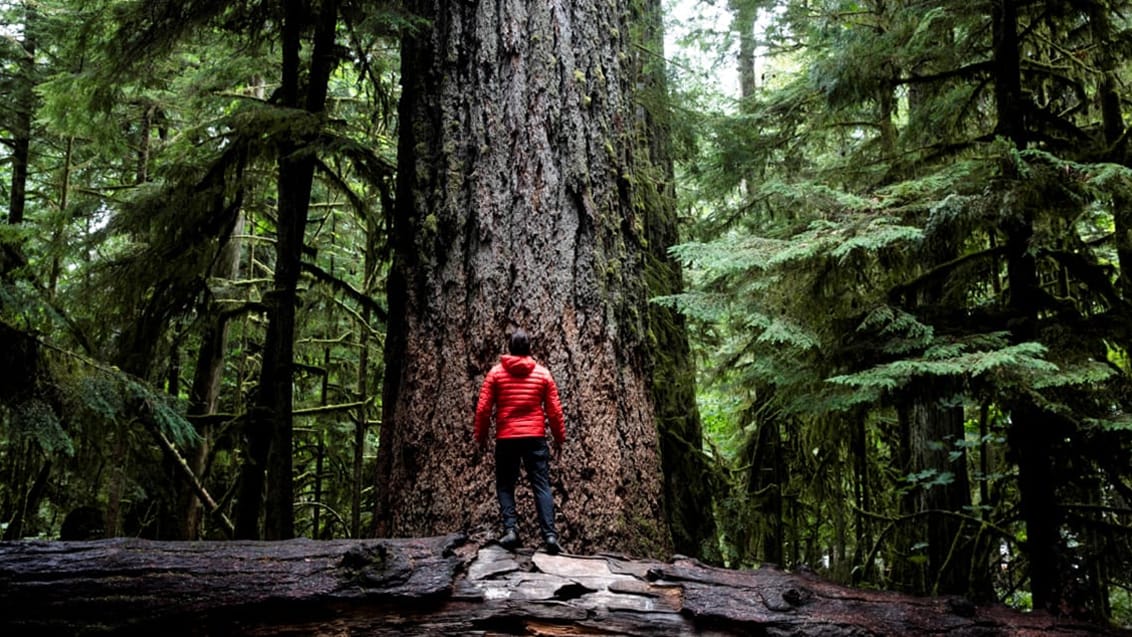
(154, 172)
(950, 360)
(35, 420)
(854, 261)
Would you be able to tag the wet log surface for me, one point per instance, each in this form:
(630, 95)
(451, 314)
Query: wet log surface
(445, 585)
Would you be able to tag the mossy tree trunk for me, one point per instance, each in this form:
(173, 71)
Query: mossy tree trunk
(515, 208)
(688, 480)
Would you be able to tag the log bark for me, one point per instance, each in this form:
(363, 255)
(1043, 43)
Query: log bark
(446, 585)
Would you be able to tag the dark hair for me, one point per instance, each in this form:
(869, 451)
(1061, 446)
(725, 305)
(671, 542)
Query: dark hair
(520, 343)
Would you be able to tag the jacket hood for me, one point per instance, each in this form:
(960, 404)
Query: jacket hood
(518, 365)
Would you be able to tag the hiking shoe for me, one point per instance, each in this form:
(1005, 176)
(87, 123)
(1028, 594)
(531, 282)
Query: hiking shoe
(510, 539)
(552, 546)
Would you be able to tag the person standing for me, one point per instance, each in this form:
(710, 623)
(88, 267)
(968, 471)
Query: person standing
(523, 397)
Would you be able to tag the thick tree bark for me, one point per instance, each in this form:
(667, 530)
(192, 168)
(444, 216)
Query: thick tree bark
(515, 209)
(443, 585)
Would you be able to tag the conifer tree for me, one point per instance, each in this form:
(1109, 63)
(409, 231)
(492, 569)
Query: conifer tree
(951, 270)
(163, 154)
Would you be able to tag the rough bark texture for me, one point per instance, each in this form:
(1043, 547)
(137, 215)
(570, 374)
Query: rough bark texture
(443, 585)
(515, 209)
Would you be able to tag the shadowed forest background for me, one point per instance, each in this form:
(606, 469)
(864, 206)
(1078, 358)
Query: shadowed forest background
(867, 312)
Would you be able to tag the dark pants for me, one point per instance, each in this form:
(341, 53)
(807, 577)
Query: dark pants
(534, 455)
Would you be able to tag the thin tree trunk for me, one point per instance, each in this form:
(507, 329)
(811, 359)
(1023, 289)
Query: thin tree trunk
(60, 227)
(320, 453)
(269, 428)
(1030, 432)
(744, 15)
(116, 487)
(204, 395)
(145, 127)
(862, 527)
(764, 485)
(932, 430)
(361, 423)
(1112, 117)
(515, 208)
(24, 93)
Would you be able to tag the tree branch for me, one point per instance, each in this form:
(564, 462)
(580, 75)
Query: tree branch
(338, 284)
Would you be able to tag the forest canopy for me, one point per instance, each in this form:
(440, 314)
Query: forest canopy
(852, 273)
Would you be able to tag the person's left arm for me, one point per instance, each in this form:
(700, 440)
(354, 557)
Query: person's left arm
(484, 407)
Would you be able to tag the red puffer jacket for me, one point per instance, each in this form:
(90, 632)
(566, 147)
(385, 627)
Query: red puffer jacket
(520, 390)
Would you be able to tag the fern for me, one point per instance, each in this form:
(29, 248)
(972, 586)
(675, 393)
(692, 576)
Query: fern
(1086, 375)
(784, 332)
(99, 396)
(951, 360)
(704, 306)
(1117, 423)
(35, 420)
(168, 418)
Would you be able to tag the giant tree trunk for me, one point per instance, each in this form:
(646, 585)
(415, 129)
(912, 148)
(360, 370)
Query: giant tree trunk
(515, 208)
(441, 585)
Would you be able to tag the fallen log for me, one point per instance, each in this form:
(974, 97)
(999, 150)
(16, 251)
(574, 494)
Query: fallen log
(446, 585)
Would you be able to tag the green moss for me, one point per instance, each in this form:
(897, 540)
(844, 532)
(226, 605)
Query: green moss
(648, 537)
